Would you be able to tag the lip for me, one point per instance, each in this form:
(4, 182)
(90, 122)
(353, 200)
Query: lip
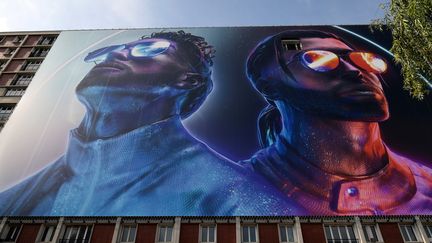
(114, 66)
(359, 90)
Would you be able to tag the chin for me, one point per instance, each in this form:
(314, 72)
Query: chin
(365, 115)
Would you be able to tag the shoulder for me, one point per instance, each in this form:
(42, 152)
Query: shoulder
(421, 171)
(15, 200)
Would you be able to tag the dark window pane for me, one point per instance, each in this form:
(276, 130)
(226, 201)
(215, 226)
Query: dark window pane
(283, 235)
(211, 234)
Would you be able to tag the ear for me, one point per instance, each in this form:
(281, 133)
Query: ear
(190, 81)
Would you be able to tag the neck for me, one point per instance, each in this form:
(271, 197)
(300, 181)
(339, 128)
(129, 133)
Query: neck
(345, 148)
(112, 115)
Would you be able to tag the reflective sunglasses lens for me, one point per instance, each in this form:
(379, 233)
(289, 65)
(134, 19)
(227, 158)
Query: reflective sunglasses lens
(101, 54)
(368, 61)
(150, 49)
(320, 61)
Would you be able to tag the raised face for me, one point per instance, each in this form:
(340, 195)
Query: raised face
(347, 91)
(143, 64)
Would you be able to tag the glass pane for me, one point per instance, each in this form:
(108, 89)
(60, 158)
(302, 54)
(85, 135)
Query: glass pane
(125, 233)
(169, 233)
(373, 231)
(67, 233)
(245, 234)
(88, 232)
(411, 233)
(351, 234)
(204, 234)
(328, 232)
(132, 233)
(82, 232)
(74, 233)
(161, 234)
(44, 235)
(290, 231)
(404, 233)
(211, 234)
(428, 230)
(343, 232)
(335, 232)
(51, 233)
(283, 235)
(252, 234)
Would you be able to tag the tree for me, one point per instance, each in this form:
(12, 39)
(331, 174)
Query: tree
(410, 22)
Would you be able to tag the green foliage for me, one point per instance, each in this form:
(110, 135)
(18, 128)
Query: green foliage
(410, 22)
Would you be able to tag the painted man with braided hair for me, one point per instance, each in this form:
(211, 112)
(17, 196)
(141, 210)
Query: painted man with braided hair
(131, 154)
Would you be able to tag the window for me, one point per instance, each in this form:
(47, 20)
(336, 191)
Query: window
(15, 92)
(10, 233)
(76, 234)
(340, 234)
(22, 80)
(9, 51)
(46, 40)
(5, 112)
(409, 233)
(291, 44)
(2, 65)
(371, 233)
(128, 234)
(208, 233)
(249, 234)
(18, 39)
(31, 65)
(286, 234)
(39, 52)
(48, 233)
(165, 233)
(2, 38)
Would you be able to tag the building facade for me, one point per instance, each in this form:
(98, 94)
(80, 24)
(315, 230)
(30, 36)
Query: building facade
(354, 229)
(21, 54)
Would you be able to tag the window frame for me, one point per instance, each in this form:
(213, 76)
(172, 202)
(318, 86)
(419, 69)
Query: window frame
(346, 225)
(22, 79)
(256, 233)
(428, 228)
(159, 226)
(42, 231)
(294, 233)
(122, 230)
(16, 232)
(207, 226)
(377, 231)
(6, 112)
(415, 231)
(62, 239)
(50, 42)
(34, 64)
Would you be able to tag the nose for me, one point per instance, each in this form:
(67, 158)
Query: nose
(122, 55)
(350, 71)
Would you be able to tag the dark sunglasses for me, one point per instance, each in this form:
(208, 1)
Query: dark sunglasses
(146, 48)
(326, 61)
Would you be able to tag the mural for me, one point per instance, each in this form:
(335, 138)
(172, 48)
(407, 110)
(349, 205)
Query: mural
(164, 122)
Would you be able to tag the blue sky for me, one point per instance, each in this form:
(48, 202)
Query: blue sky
(103, 14)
